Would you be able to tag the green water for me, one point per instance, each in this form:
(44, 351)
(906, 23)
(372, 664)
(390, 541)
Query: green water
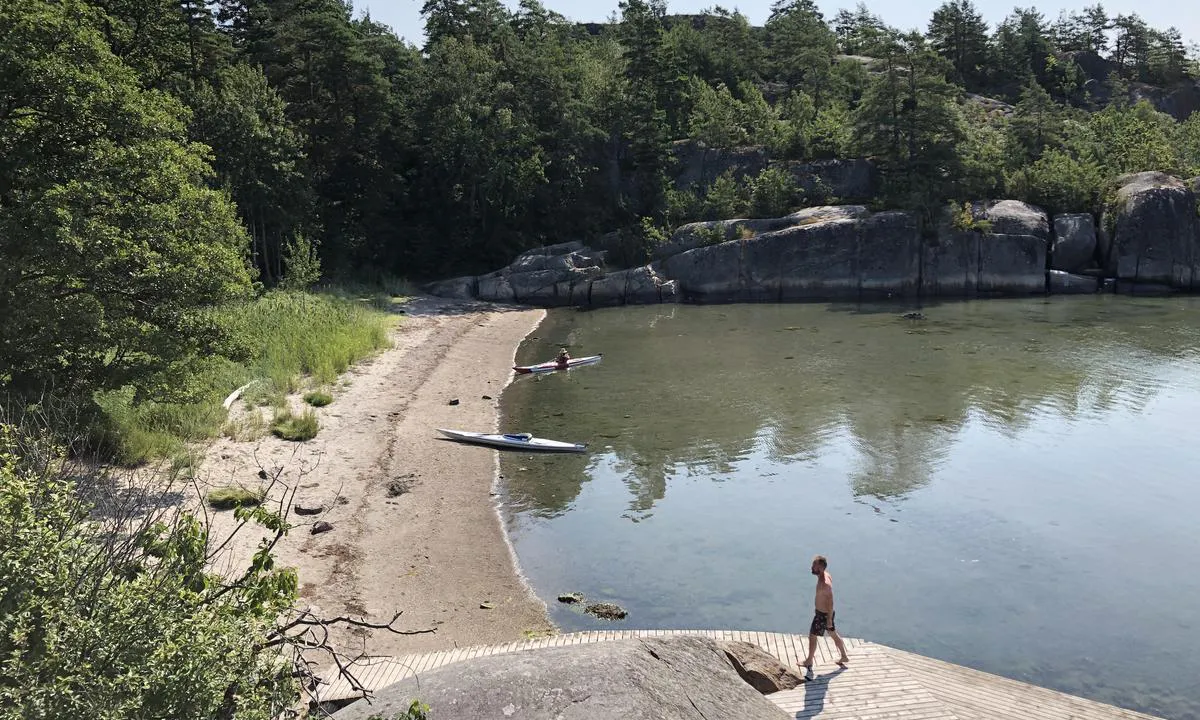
(1009, 485)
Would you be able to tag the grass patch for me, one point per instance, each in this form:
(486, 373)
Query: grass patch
(250, 426)
(229, 497)
(318, 398)
(279, 339)
(297, 428)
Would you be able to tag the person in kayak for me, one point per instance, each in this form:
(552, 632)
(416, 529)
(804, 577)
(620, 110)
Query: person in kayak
(563, 358)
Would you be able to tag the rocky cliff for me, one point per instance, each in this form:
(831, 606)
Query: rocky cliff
(1147, 241)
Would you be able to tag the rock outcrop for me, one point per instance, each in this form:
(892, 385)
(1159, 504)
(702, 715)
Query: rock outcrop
(678, 678)
(549, 276)
(759, 668)
(697, 166)
(1008, 258)
(1074, 245)
(839, 257)
(1151, 233)
(1147, 242)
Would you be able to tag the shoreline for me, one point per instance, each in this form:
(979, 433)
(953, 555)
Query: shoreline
(418, 526)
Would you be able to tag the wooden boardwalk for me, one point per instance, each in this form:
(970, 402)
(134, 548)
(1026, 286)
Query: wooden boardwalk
(879, 683)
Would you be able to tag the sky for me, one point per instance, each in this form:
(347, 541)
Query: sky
(405, 17)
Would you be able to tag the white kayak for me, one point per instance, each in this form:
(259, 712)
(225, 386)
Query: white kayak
(552, 365)
(521, 441)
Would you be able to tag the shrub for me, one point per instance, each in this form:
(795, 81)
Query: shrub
(726, 198)
(772, 192)
(117, 617)
(962, 217)
(318, 398)
(229, 497)
(297, 428)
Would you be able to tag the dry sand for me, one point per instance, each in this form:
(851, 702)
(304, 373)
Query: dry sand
(436, 551)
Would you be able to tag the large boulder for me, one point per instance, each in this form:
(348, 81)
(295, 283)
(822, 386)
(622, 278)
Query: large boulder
(1179, 100)
(459, 288)
(494, 287)
(823, 253)
(694, 235)
(1074, 244)
(1013, 217)
(1003, 254)
(676, 678)
(1064, 283)
(758, 667)
(1152, 232)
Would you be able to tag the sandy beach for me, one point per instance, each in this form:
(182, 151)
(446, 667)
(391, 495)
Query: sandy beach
(415, 523)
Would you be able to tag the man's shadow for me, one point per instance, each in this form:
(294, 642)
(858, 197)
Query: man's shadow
(815, 689)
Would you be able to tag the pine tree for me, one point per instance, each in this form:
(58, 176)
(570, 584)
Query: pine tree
(801, 46)
(959, 34)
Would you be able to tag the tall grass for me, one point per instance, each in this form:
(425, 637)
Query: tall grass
(284, 338)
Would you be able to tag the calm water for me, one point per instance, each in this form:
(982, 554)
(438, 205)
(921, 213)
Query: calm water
(1010, 485)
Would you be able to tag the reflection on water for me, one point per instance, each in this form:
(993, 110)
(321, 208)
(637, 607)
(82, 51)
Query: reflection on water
(1005, 484)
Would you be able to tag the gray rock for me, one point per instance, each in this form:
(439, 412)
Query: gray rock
(889, 256)
(571, 598)
(1009, 259)
(459, 288)
(677, 678)
(822, 253)
(950, 265)
(694, 235)
(1155, 231)
(546, 250)
(844, 179)
(1064, 283)
(321, 526)
(642, 286)
(495, 288)
(759, 668)
(698, 166)
(1074, 244)
(1013, 217)
(539, 287)
(606, 611)
(1012, 264)
(300, 509)
(609, 289)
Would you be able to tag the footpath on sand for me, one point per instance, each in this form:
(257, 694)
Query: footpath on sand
(414, 522)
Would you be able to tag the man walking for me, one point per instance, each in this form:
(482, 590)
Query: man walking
(824, 618)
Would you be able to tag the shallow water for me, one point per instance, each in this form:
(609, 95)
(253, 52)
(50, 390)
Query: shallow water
(1009, 485)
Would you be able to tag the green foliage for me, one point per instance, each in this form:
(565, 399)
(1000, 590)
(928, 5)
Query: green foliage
(119, 617)
(800, 46)
(229, 497)
(712, 235)
(962, 218)
(910, 123)
(1057, 183)
(416, 711)
(772, 193)
(302, 267)
(112, 239)
(1186, 142)
(958, 33)
(297, 428)
(276, 339)
(726, 198)
(1131, 139)
(318, 398)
